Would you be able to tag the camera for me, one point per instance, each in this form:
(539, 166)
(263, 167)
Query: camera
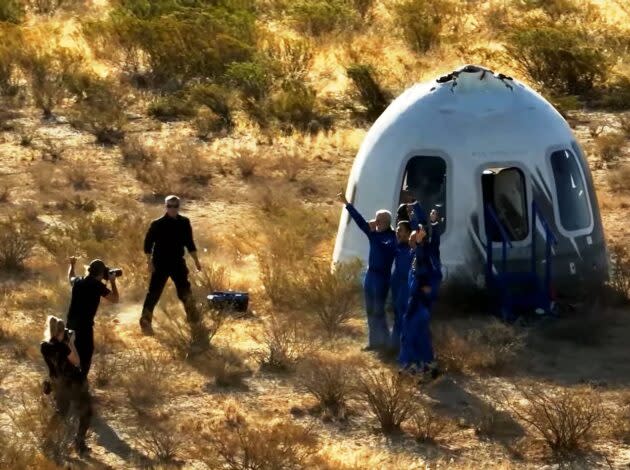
(67, 334)
(117, 272)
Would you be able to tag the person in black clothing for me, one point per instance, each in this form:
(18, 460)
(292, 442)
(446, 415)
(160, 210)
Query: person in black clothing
(164, 245)
(86, 297)
(67, 384)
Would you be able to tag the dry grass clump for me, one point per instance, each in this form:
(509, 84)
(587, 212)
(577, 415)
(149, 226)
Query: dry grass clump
(428, 425)
(331, 296)
(185, 338)
(619, 178)
(619, 421)
(135, 152)
(17, 240)
(5, 193)
(489, 348)
(566, 420)
(240, 445)
(226, 366)
(609, 145)
(79, 174)
(146, 380)
(390, 396)
(162, 439)
(286, 342)
(330, 381)
(247, 160)
(620, 272)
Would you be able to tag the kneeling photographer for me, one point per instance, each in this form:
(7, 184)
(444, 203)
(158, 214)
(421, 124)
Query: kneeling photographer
(86, 297)
(67, 384)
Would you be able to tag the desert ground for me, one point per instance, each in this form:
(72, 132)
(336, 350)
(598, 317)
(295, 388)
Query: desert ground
(108, 106)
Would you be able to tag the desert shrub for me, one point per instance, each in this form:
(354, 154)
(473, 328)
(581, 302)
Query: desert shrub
(563, 58)
(171, 108)
(565, 419)
(295, 105)
(620, 270)
(427, 424)
(291, 163)
(327, 379)
(216, 99)
(615, 95)
(188, 339)
(609, 145)
(11, 11)
(422, 22)
(275, 445)
(48, 72)
(145, 382)
(369, 92)
(555, 9)
(254, 78)
(207, 123)
(227, 368)
(286, 343)
(52, 150)
(624, 124)
(291, 57)
(40, 429)
(619, 178)
(10, 44)
(101, 111)
(162, 439)
(317, 17)
(79, 175)
(17, 240)
(135, 152)
(489, 348)
(619, 421)
(5, 194)
(389, 395)
(179, 42)
(363, 7)
(247, 161)
(331, 295)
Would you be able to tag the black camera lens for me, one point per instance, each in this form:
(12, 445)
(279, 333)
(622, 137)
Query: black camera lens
(116, 272)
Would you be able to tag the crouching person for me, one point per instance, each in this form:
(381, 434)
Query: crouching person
(416, 348)
(382, 241)
(67, 384)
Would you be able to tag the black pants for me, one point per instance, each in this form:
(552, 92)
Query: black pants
(178, 272)
(72, 392)
(84, 343)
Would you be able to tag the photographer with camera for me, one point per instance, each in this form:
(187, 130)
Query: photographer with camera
(66, 383)
(86, 297)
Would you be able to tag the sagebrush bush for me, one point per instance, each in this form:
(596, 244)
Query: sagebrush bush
(171, 108)
(10, 45)
(422, 22)
(566, 419)
(329, 381)
(145, 381)
(295, 105)
(563, 58)
(254, 78)
(179, 42)
(427, 424)
(274, 445)
(317, 17)
(247, 160)
(216, 99)
(389, 395)
(616, 95)
(79, 175)
(619, 178)
(226, 366)
(609, 145)
(331, 296)
(369, 92)
(161, 439)
(11, 11)
(489, 348)
(286, 342)
(48, 72)
(135, 152)
(620, 270)
(101, 111)
(17, 240)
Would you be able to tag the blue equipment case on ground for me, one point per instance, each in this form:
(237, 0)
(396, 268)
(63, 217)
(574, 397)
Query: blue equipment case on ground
(236, 301)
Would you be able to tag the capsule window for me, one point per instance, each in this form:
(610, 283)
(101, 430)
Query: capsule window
(425, 181)
(504, 190)
(571, 195)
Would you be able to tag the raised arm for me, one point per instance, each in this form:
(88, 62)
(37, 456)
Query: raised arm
(418, 216)
(358, 218)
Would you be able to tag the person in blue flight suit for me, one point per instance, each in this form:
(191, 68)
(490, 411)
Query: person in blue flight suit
(382, 241)
(400, 279)
(434, 253)
(416, 347)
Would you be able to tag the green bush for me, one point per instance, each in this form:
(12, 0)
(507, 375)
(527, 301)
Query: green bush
(422, 22)
(616, 95)
(317, 17)
(180, 41)
(100, 110)
(48, 72)
(368, 90)
(294, 105)
(10, 39)
(11, 11)
(215, 98)
(254, 79)
(562, 58)
(171, 108)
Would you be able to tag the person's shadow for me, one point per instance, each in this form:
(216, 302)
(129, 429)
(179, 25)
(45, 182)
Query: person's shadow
(109, 440)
